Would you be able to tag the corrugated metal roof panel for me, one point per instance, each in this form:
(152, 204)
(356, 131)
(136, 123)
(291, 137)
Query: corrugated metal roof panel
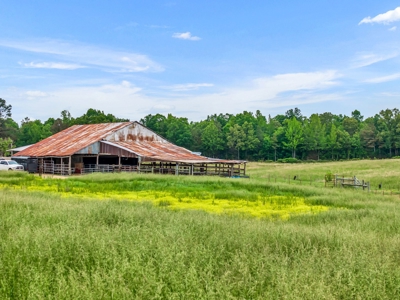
(20, 148)
(72, 139)
(165, 151)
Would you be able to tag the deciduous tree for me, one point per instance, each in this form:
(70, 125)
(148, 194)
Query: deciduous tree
(294, 135)
(236, 138)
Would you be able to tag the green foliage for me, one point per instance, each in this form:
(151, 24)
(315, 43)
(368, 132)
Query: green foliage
(5, 114)
(94, 116)
(236, 138)
(178, 131)
(212, 138)
(294, 135)
(5, 144)
(32, 132)
(156, 123)
(350, 125)
(314, 134)
(289, 160)
(329, 177)
(246, 135)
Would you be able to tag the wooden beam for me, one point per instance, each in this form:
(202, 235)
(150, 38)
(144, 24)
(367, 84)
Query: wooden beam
(69, 165)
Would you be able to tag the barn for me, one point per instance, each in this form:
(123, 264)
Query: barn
(121, 147)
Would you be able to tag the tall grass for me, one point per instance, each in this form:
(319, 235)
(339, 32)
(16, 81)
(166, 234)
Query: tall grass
(58, 247)
(385, 172)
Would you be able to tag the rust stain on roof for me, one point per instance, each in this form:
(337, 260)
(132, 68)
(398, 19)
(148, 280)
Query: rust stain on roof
(159, 150)
(71, 140)
(165, 151)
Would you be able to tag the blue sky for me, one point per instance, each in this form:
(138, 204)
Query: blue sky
(196, 58)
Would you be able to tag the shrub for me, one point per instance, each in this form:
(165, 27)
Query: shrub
(329, 176)
(289, 160)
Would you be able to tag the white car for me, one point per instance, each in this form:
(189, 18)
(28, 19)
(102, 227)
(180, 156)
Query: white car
(10, 165)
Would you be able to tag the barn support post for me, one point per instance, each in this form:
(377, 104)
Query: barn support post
(69, 165)
(177, 169)
(119, 163)
(139, 162)
(97, 161)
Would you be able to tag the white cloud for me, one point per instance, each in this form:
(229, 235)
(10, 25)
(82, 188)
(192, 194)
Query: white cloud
(129, 101)
(52, 65)
(384, 78)
(163, 108)
(264, 93)
(385, 18)
(267, 88)
(127, 26)
(393, 28)
(87, 55)
(187, 86)
(159, 26)
(185, 36)
(121, 99)
(36, 94)
(366, 59)
(388, 94)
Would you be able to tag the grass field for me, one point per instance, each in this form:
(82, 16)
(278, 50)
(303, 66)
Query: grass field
(129, 236)
(384, 172)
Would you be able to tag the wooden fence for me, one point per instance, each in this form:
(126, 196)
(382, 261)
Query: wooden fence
(341, 181)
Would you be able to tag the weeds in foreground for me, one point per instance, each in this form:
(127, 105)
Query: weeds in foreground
(71, 248)
(214, 195)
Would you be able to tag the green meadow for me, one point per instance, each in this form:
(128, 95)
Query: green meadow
(134, 236)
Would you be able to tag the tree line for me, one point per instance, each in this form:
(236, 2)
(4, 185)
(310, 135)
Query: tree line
(247, 135)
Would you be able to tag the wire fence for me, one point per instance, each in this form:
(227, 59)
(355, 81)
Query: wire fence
(385, 189)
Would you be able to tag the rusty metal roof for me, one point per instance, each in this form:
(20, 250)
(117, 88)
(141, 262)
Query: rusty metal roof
(165, 151)
(158, 150)
(71, 140)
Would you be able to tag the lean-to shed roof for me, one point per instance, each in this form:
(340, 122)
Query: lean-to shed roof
(162, 151)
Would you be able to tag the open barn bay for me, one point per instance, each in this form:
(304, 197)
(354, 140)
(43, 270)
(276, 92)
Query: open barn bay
(156, 237)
